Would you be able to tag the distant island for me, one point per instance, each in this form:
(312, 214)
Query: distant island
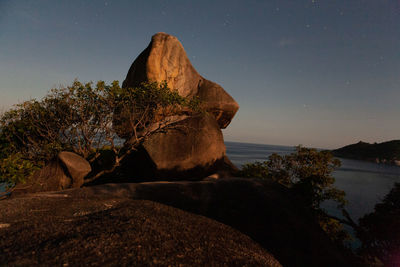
(385, 152)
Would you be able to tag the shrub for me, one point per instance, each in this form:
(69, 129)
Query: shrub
(15, 169)
(379, 230)
(307, 173)
(85, 119)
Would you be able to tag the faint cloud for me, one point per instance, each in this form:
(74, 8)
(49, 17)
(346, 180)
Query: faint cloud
(284, 42)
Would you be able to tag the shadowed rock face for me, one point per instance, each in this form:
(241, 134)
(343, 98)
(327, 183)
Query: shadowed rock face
(265, 211)
(216, 101)
(199, 149)
(50, 229)
(165, 60)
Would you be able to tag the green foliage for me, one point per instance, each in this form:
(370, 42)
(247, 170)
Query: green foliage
(15, 169)
(135, 108)
(307, 172)
(379, 230)
(333, 227)
(84, 118)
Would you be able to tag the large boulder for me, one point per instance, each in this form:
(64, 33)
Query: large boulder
(165, 59)
(192, 150)
(67, 170)
(195, 147)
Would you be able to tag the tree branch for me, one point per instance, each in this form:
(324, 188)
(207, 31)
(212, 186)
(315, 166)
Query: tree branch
(348, 220)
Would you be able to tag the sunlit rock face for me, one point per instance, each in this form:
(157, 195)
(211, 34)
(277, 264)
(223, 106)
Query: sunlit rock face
(186, 148)
(165, 60)
(196, 151)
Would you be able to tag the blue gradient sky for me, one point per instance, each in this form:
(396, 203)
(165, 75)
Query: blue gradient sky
(317, 73)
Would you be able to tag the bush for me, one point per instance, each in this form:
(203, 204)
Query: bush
(379, 230)
(15, 169)
(85, 119)
(307, 173)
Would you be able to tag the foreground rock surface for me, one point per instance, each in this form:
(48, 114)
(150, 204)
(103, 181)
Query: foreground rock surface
(61, 229)
(264, 211)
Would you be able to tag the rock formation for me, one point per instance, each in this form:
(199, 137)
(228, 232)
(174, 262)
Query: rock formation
(174, 142)
(197, 152)
(57, 229)
(263, 210)
(68, 170)
(76, 166)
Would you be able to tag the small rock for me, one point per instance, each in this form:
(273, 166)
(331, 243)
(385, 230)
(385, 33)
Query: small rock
(77, 167)
(4, 225)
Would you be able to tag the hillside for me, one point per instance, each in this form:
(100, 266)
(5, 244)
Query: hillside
(386, 152)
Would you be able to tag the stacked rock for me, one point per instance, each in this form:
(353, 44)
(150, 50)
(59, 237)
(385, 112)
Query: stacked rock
(199, 150)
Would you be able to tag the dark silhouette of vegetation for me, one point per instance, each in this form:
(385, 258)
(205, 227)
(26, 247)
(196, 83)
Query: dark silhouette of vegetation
(307, 172)
(379, 231)
(87, 120)
(386, 152)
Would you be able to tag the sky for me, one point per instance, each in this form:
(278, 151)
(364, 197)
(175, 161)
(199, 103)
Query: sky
(318, 73)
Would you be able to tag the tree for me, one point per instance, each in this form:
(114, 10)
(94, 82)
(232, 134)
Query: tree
(86, 119)
(307, 173)
(379, 231)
